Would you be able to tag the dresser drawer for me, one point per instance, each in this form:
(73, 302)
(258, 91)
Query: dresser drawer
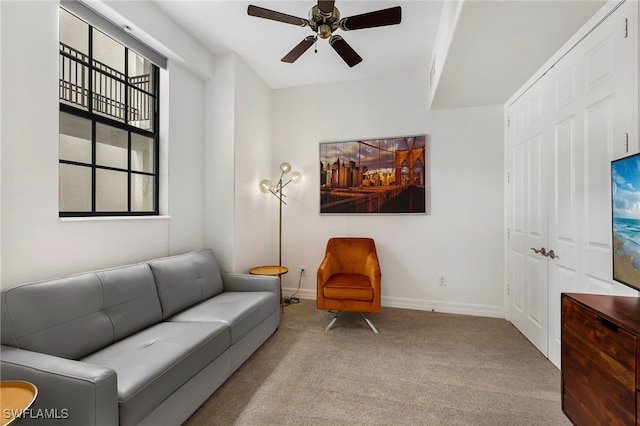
(602, 341)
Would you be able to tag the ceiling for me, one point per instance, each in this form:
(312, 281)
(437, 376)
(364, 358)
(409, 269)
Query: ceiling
(495, 48)
(499, 45)
(224, 26)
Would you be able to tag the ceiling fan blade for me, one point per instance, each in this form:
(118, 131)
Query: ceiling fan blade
(345, 51)
(297, 51)
(326, 7)
(261, 12)
(379, 18)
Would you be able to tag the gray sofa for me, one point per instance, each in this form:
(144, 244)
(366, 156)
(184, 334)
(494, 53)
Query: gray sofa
(139, 344)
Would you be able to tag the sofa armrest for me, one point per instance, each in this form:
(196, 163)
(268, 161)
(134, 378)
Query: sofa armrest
(248, 282)
(69, 392)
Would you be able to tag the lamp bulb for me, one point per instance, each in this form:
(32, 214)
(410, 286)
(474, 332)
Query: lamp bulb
(296, 176)
(285, 167)
(265, 185)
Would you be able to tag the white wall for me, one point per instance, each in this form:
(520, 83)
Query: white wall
(184, 147)
(237, 157)
(1, 38)
(461, 238)
(35, 243)
(226, 131)
(256, 243)
(219, 161)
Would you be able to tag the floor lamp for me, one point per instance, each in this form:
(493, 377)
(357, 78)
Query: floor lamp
(267, 186)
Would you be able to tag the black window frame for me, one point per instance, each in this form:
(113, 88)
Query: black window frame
(97, 118)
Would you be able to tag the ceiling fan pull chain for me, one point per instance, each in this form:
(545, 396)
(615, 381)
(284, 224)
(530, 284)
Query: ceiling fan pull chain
(315, 45)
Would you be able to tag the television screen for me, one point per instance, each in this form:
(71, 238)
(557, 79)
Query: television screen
(625, 203)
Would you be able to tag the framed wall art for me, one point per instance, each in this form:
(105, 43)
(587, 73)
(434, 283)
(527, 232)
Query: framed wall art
(379, 176)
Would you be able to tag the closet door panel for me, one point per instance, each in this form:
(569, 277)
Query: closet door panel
(565, 208)
(599, 131)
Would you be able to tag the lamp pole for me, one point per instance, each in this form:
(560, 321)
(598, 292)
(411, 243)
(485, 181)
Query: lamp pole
(280, 224)
(266, 186)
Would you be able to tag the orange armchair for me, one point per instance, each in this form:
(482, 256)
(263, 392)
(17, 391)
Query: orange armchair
(349, 278)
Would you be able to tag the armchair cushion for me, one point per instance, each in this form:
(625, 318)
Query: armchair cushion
(348, 287)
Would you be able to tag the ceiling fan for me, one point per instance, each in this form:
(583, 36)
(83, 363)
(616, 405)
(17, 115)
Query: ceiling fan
(324, 19)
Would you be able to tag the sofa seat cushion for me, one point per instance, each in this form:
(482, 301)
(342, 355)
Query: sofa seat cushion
(154, 362)
(348, 287)
(241, 311)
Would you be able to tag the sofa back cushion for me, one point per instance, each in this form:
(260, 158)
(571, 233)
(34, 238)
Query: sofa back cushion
(74, 316)
(185, 280)
(62, 317)
(130, 299)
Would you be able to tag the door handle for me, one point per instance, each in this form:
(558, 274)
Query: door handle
(546, 253)
(552, 255)
(542, 251)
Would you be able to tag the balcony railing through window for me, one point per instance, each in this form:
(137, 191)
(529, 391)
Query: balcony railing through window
(74, 73)
(109, 89)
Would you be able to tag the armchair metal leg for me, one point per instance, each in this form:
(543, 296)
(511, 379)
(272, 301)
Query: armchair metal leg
(375, 330)
(333, 321)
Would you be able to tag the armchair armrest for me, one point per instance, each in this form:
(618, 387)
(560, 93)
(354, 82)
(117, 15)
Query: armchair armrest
(372, 269)
(77, 393)
(325, 270)
(248, 282)
(372, 266)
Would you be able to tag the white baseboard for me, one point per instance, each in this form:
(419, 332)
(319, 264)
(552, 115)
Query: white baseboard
(444, 307)
(422, 305)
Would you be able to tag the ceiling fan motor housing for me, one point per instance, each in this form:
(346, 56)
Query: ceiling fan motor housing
(324, 24)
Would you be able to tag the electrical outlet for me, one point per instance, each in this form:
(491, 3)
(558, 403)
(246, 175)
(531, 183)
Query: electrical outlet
(303, 271)
(443, 280)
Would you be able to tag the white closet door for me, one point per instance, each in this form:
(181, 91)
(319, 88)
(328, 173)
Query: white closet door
(566, 204)
(563, 133)
(591, 113)
(527, 269)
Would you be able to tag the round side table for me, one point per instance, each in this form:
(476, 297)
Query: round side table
(271, 270)
(15, 397)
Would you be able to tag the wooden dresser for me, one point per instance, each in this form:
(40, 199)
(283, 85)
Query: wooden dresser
(601, 359)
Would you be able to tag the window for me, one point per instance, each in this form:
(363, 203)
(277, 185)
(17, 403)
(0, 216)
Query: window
(108, 125)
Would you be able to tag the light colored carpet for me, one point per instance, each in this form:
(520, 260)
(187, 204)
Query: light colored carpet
(424, 368)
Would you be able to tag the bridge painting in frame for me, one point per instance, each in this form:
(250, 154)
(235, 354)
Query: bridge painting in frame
(387, 176)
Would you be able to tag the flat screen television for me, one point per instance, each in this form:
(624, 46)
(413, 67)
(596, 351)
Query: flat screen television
(625, 213)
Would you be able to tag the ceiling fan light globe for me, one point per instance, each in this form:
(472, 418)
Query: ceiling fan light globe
(324, 31)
